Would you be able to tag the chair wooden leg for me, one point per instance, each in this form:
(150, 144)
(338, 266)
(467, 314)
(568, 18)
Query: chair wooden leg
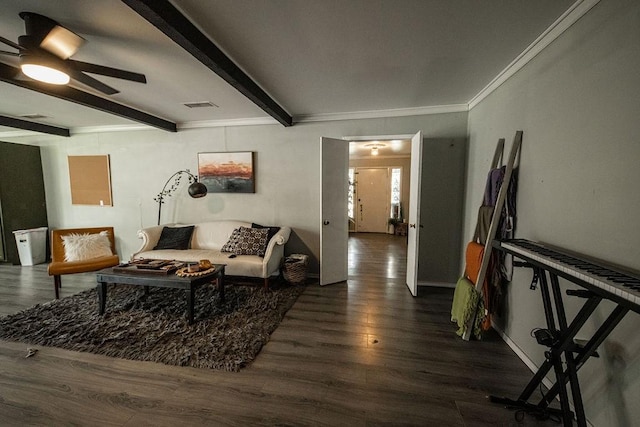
(266, 283)
(57, 283)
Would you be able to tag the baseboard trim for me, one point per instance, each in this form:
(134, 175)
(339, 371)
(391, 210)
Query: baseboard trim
(437, 284)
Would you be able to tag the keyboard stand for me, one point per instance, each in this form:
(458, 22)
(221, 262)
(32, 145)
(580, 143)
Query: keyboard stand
(562, 348)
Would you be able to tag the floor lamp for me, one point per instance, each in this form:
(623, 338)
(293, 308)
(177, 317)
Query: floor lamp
(196, 189)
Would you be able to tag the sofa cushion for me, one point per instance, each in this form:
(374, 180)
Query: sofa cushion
(231, 244)
(252, 241)
(175, 238)
(79, 247)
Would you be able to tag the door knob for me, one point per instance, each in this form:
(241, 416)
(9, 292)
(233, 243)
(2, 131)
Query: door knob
(325, 222)
(412, 225)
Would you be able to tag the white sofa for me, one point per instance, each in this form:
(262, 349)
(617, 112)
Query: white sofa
(207, 240)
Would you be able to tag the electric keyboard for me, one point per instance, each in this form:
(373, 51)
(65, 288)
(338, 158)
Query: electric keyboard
(609, 282)
(565, 357)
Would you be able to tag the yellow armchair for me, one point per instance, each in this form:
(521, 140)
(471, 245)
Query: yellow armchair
(58, 264)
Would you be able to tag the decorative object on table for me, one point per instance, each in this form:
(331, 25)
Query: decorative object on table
(294, 268)
(196, 189)
(227, 172)
(149, 266)
(188, 272)
(152, 327)
(205, 264)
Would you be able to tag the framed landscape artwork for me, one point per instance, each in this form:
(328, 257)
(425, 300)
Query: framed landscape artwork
(227, 172)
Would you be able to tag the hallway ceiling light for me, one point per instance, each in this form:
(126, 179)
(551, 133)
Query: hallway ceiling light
(375, 147)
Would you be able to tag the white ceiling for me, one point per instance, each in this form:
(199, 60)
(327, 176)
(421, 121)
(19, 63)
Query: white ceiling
(315, 58)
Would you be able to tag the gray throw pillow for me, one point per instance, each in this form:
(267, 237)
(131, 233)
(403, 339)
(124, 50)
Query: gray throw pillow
(175, 238)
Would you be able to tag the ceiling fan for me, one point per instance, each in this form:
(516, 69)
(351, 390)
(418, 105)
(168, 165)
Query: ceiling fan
(45, 54)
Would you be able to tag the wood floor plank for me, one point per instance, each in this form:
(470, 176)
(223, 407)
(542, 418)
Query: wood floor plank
(359, 353)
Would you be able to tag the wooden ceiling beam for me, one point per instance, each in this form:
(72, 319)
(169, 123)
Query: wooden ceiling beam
(164, 16)
(67, 93)
(13, 122)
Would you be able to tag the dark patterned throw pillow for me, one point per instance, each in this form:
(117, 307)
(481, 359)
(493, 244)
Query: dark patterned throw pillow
(231, 244)
(175, 238)
(272, 230)
(252, 241)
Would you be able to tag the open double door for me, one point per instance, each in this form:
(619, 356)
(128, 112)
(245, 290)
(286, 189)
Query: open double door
(334, 227)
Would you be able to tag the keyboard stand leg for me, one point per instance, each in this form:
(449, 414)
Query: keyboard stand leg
(563, 344)
(596, 340)
(571, 373)
(554, 355)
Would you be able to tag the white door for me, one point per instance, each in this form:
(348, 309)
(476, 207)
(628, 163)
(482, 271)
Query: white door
(334, 226)
(414, 213)
(373, 200)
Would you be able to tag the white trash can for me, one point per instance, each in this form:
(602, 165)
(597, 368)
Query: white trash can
(32, 245)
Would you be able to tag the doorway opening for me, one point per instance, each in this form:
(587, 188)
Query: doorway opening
(379, 183)
(334, 224)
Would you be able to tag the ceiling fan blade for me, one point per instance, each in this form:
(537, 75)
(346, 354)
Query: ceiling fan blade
(91, 82)
(4, 52)
(107, 71)
(10, 43)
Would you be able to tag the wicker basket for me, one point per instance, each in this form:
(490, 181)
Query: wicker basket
(294, 268)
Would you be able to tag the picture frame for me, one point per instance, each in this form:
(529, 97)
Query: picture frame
(227, 172)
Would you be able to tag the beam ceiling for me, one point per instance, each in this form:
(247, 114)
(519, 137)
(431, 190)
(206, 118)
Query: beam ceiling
(67, 93)
(13, 122)
(164, 16)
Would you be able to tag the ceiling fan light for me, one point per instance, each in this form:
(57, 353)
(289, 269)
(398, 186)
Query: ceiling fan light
(374, 151)
(45, 74)
(62, 42)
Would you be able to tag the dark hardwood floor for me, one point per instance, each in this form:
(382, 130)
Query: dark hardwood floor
(354, 354)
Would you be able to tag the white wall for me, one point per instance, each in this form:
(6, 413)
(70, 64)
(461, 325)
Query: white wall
(286, 162)
(578, 103)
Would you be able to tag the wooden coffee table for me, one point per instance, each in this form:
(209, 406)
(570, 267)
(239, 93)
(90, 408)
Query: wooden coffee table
(146, 279)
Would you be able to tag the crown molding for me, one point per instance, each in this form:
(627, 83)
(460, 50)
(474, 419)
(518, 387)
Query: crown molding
(377, 114)
(555, 30)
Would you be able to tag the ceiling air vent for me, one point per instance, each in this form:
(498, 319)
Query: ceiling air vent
(201, 104)
(34, 116)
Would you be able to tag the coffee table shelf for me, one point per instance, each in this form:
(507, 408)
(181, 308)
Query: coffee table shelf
(189, 284)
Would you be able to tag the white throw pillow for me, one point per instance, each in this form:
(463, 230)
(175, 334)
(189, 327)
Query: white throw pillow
(79, 247)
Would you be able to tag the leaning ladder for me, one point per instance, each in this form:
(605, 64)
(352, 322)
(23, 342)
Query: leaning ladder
(495, 218)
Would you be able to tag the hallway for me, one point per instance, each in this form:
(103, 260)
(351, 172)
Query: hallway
(376, 254)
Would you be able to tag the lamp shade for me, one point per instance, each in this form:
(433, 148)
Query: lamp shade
(197, 190)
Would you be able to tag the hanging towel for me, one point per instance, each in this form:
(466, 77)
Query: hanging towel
(473, 261)
(465, 302)
(492, 188)
(485, 214)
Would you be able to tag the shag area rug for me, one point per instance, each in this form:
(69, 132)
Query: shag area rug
(153, 327)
